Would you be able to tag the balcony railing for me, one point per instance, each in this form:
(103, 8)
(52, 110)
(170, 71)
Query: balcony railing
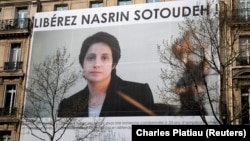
(15, 24)
(241, 15)
(13, 65)
(7, 111)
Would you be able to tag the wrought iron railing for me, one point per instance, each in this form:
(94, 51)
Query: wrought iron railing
(14, 24)
(13, 65)
(4, 111)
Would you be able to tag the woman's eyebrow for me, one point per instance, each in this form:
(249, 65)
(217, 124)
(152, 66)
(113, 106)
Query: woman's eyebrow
(106, 53)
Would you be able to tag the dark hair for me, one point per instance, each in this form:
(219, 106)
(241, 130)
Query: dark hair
(103, 37)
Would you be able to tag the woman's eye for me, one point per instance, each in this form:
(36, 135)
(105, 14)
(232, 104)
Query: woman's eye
(90, 58)
(105, 58)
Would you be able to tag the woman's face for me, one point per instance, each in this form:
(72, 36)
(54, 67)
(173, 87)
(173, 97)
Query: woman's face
(98, 62)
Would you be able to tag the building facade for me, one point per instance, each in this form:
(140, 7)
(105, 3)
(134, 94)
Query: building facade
(236, 47)
(241, 69)
(16, 18)
(15, 35)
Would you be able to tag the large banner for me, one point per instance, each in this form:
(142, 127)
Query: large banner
(140, 30)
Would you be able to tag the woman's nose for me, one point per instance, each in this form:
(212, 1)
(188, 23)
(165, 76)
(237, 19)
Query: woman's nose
(97, 62)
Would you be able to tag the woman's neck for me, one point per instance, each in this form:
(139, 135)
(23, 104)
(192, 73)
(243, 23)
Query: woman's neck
(97, 92)
(98, 88)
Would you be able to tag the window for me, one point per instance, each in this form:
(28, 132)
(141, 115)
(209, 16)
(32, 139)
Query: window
(245, 101)
(21, 17)
(14, 61)
(94, 4)
(244, 10)
(61, 7)
(2, 25)
(9, 100)
(152, 1)
(244, 48)
(14, 57)
(5, 135)
(124, 2)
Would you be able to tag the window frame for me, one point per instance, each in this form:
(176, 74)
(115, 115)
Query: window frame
(96, 4)
(0, 13)
(21, 17)
(6, 134)
(15, 48)
(62, 7)
(152, 1)
(124, 2)
(245, 101)
(244, 51)
(244, 10)
(9, 99)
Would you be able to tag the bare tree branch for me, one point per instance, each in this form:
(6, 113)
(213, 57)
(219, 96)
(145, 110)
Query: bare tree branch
(49, 82)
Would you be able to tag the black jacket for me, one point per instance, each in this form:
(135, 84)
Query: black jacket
(114, 105)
